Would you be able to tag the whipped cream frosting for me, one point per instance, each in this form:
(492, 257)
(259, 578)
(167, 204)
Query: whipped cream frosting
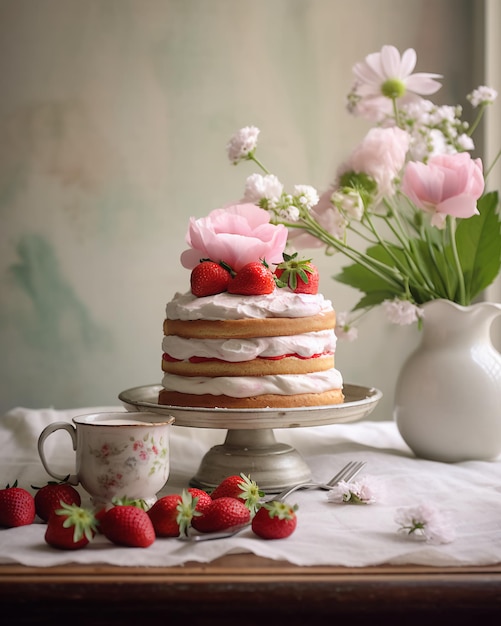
(237, 350)
(246, 386)
(227, 306)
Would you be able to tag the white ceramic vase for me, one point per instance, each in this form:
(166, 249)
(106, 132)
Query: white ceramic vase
(448, 394)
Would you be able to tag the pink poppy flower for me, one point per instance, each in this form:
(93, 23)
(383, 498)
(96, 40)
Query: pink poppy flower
(449, 184)
(237, 234)
(381, 155)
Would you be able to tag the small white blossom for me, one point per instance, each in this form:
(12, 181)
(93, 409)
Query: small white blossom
(242, 143)
(344, 330)
(402, 312)
(482, 95)
(289, 213)
(306, 195)
(259, 187)
(434, 129)
(445, 113)
(437, 143)
(465, 142)
(424, 522)
(365, 491)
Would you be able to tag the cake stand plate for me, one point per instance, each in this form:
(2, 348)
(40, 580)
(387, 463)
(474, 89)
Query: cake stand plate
(250, 446)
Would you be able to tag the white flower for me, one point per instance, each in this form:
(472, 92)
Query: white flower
(289, 213)
(482, 95)
(365, 491)
(437, 143)
(344, 330)
(426, 523)
(242, 143)
(465, 142)
(306, 195)
(386, 75)
(402, 312)
(433, 129)
(445, 113)
(259, 187)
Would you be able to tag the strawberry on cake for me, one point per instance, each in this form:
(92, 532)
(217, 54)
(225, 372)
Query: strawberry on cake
(247, 335)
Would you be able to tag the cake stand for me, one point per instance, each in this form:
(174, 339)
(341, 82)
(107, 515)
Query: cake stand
(250, 446)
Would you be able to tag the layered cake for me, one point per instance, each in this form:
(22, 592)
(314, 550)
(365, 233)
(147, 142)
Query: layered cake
(253, 331)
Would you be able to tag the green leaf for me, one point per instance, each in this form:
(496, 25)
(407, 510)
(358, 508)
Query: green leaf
(478, 240)
(375, 288)
(361, 278)
(428, 271)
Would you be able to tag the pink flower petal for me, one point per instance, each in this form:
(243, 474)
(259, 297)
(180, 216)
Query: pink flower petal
(236, 234)
(390, 60)
(408, 62)
(459, 206)
(423, 83)
(449, 184)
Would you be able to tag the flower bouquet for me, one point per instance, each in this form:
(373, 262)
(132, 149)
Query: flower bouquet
(410, 191)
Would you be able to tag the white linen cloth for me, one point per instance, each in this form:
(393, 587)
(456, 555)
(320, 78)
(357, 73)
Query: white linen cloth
(327, 533)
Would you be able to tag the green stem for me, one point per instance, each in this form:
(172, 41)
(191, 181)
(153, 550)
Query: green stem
(418, 279)
(476, 121)
(431, 251)
(451, 222)
(491, 166)
(252, 157)
(383, 271)
(396, 112)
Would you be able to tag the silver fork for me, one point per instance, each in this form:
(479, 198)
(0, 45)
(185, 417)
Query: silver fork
(349, 471)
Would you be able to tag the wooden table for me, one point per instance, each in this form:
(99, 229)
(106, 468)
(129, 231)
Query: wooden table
(245, 589)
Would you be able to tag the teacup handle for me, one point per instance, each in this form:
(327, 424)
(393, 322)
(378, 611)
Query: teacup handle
(48, 430)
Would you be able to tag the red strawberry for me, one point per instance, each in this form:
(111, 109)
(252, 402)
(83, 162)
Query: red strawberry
(128, 525)
(254, 279)
(208, 278)
(222, 514)
(17, 507)
(167, 516)
(204, 500)
(70, 527)
(126, 501)
(49, 498)
(99, 514)
(301, 276)
(241, 487)
(171, 515)
(275, 520)
(119, 501)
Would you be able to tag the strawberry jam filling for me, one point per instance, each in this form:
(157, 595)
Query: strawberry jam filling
(201, 359)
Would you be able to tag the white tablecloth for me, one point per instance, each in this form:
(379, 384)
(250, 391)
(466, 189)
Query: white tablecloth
(327, 533)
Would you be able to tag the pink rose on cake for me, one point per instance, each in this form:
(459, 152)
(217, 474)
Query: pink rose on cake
(237, 234)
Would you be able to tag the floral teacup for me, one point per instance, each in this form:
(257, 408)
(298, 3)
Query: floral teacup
(118, 455)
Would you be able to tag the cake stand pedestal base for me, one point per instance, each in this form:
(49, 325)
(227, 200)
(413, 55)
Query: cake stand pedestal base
(273, 466)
